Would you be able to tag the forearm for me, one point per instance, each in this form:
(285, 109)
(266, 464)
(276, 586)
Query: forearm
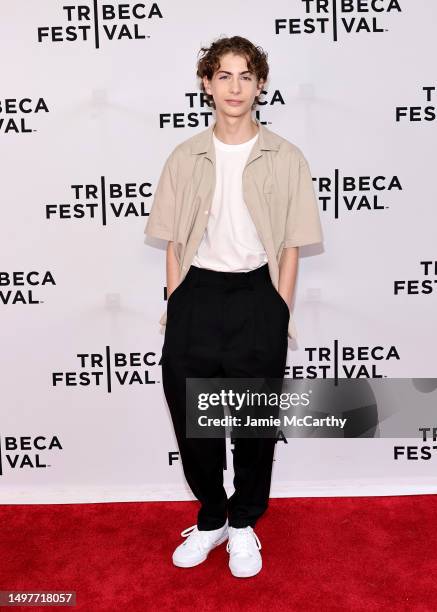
(172, 269)
(288, 272)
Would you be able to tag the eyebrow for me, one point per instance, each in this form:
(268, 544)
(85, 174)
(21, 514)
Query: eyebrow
(227, 72)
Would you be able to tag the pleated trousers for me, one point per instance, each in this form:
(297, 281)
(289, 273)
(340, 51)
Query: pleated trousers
(224, 324)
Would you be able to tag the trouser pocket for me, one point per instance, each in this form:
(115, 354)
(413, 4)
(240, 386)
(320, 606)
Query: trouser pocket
(283, 304)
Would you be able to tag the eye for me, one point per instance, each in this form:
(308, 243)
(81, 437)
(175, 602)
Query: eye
(225, 76)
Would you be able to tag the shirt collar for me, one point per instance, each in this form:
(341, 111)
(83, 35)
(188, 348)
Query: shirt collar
(266, 141)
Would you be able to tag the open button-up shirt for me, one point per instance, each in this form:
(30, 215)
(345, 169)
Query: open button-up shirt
(277, 189)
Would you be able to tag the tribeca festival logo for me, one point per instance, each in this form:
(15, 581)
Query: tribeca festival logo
(108, 369)
(424, 285)
(17, 115)
(343, 362)
(425, 111)
(414, 452)
(102, 200)
(93, 22)
(26, 452)
(200, 111)
(20, 287)
(174, 456)
(350, 194)
(331, 17)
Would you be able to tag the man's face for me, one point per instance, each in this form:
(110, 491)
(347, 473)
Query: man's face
(232, 86)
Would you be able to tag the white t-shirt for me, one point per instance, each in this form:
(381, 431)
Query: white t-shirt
(230, 242)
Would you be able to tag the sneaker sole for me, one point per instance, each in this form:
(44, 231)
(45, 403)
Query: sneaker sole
(181, 564)
(238, 574)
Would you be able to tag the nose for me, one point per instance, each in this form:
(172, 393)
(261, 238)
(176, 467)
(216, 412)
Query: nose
(235, 85)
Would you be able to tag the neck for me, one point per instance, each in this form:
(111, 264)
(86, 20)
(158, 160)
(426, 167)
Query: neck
(231, 130)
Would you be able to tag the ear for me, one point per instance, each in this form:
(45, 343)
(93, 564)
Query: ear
(206, 85)
(260, 86)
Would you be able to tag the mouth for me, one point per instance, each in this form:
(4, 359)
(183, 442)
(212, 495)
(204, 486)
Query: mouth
(234, 102)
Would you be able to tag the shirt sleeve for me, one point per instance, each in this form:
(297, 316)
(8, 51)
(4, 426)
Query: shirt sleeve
(303, 224)
(161, 217)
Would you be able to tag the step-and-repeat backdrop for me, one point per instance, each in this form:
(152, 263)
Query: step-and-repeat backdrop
(93, 97)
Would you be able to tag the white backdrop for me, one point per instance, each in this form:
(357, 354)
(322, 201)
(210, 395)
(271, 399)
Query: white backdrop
(83, 415)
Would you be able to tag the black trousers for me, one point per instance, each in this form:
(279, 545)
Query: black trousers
(224, 324)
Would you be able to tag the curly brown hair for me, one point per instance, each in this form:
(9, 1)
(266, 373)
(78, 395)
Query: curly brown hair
(209, 62)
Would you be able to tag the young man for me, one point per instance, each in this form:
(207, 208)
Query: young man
(234, 202)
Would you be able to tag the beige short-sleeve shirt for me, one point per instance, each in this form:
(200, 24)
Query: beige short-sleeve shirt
(277, 189)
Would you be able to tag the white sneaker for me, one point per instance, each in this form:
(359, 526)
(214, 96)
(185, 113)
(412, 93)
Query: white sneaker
(244, 546)
(198, 545)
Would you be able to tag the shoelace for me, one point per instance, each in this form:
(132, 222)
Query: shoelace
(241, 540)
(195, 538)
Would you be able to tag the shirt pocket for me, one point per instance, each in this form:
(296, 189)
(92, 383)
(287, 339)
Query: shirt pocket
(268, 185)
(268, 191)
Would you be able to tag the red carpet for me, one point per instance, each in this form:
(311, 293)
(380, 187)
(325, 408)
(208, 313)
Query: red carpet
(358, 553)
